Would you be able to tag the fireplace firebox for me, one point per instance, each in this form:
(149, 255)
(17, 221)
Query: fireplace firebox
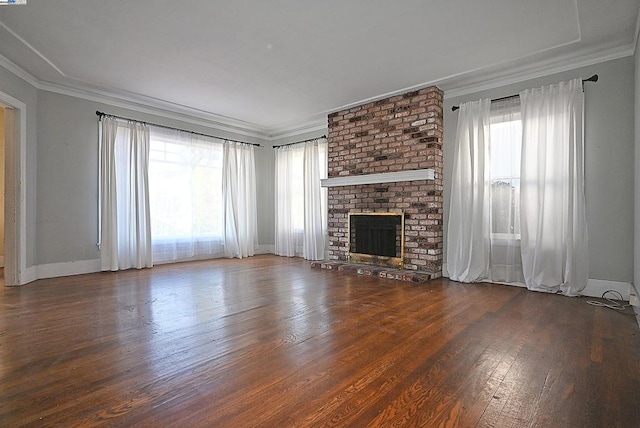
(377, 239)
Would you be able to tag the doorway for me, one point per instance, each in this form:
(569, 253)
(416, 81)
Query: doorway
(14, 196)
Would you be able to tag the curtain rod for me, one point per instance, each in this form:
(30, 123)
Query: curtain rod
(101, 114)
(593, 78)
(299, 142)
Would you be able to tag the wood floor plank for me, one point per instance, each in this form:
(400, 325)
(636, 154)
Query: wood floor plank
(267, 341)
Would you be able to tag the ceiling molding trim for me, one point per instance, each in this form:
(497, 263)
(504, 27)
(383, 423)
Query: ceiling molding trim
(460, 89)
(319, 125)
(32, 49)
(575, 4)
(557, 66)
(186, 114)
(637, 34)
(18, 71)
(159, 108)
(312, 123)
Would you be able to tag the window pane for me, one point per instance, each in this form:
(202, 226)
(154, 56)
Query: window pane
(505, 206)
(297, 187)
(506, 138)
(505, 150)
(185, 196)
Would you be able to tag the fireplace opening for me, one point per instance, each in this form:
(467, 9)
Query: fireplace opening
(377, 238)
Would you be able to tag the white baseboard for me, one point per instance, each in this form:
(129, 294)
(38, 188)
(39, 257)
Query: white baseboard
(54, 270)
(596, 287)
(30, 275)
(265, 249)
(636, 309)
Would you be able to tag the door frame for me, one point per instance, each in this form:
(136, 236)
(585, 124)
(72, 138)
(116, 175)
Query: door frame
(15, 193)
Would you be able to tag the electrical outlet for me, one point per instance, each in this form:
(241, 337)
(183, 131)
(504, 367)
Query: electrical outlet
(633, 300)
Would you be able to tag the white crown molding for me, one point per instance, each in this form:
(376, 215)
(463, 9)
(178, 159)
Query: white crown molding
(491, 80)
(140, 103)
(32, 49)
(18, 71)
(157, 107)
(125, 99)
(544, 69)
(318, 125)
(453, 86)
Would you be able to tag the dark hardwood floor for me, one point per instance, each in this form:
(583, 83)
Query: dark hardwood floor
(267, 341)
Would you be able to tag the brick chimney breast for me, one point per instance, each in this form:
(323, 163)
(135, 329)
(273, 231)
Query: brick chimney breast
(399, 133)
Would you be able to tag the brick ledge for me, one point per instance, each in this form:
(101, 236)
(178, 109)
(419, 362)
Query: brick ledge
(379, 272)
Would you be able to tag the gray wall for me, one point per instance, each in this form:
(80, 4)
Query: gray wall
(67, 191)
(609, 160)
(62, 161)
(265, 187)
(62, 171)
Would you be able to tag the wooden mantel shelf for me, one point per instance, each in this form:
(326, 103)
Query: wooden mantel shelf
(386, 177)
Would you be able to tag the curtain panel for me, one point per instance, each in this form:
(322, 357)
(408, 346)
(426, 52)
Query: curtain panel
(239, 200)
(125, 235)
(468, 232)
(554, 225)
(301, 202)
(288, 184)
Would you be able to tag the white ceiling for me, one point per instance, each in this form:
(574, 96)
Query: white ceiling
(272, 65)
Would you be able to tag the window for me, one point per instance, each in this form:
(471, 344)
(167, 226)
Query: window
(527, 164)
(185, 195)
(505, 153)
(297, 189)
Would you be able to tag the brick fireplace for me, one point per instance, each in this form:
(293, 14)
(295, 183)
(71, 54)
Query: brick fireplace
(390, 140)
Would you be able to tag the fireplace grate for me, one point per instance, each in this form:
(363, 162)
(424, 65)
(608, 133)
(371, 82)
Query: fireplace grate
(377, 238)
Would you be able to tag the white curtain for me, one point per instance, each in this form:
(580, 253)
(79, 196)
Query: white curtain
(301, 203)
(288, 214)
(315, 199)
(125, 238)
(185, 179)
(517, 212)
(239, 199)
(554, 228)
(468, 232)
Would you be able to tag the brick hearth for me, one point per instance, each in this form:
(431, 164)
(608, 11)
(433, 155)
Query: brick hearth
(376, 271)
(399, 133)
